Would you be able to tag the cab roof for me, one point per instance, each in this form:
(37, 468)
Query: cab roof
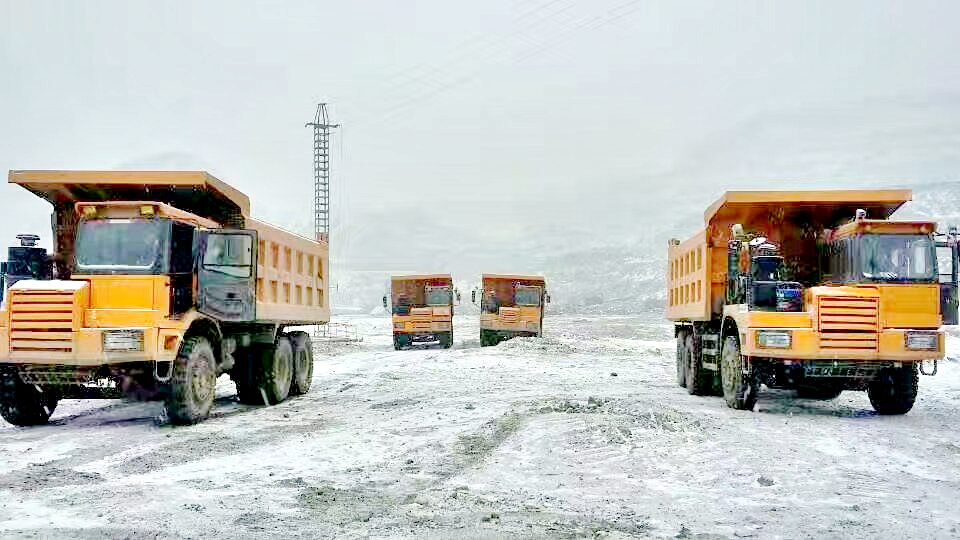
(827, 207)
(517, 277)
(197, 192)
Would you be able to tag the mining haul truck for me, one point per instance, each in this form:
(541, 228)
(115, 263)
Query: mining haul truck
(162, 283)
(510, 306)
(817, 291)
(422, 307)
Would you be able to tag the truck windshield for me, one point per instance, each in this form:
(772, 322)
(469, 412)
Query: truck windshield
(121, 245)
(527, 296)
(898, 258)
(438, 296)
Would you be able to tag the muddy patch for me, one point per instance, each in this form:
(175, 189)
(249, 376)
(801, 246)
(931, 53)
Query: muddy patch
(44, 476)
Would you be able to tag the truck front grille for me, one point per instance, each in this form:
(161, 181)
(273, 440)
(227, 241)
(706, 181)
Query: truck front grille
(510, 315)
(848, 322)
(41, 321)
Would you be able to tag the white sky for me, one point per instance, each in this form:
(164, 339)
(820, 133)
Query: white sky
(449, 103)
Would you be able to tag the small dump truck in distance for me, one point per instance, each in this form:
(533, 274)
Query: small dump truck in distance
(817, 291)
(422, 309)
(163, 283)
(510, 306)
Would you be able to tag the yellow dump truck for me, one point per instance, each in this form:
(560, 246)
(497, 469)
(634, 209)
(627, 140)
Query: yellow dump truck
(163, 282)
(422, 308)
(510, 306)
(818, 291)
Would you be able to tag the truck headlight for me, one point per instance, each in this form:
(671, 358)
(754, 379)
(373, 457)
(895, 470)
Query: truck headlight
(398, 326)
(123, 340)
(922, 341)
(773, 339)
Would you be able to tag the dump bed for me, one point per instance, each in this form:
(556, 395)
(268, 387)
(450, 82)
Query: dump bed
(410, 287)
(697, 267)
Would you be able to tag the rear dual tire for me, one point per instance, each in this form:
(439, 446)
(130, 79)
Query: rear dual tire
(271, 373)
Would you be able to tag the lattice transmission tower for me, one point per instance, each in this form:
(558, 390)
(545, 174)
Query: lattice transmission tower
(321, 172)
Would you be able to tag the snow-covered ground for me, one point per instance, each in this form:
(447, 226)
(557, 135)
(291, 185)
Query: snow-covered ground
(580, 434)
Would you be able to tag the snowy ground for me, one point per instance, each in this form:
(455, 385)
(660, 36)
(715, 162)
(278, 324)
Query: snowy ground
(581, 434)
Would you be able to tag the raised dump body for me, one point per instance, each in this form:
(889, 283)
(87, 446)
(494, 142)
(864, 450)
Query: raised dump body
(510, 306)
(814, 290)
(164, 282)
(422, 309)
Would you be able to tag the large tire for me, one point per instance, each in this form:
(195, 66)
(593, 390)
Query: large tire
(486, 338)
(895, 389)
(681, 360)
(739, 389)
(268, 374)
(302, 363)
(193, 382)
(23, 404)
(824, 390)
(695, 380)
(446, 339)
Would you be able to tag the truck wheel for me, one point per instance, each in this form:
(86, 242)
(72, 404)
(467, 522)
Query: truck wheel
(446, 339)
(302, 363)
(739, 390)
(193, 382)
(485, 340)
(824, 390)
(681, 360)
(895, 389)
(695, 380)
(276, 370)
(23, 404)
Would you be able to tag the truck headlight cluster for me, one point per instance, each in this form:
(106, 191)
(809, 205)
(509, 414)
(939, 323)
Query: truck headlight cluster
(922, 341)
(774, 339)
(398, 326)
(123, 341)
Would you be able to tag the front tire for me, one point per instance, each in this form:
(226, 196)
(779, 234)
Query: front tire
(193, 382)
(302, 363)
(895, 390)
(23, 404)
(739, 389)
(446, 339)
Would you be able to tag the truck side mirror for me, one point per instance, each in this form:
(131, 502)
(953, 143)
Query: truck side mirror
(385, 302)
(473, 296)
(548, 298)
(457, 291)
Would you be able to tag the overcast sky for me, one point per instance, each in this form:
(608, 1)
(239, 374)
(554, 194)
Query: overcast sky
(446, 103)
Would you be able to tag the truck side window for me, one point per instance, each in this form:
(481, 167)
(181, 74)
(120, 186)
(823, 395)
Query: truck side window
(181, 254)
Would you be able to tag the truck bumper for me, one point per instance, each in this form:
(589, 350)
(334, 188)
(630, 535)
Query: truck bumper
(806, 345)
(87, 347)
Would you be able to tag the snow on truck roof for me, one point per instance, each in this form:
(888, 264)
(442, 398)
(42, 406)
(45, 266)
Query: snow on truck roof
(411, 277)
(518, 277)
(820, 206)
(194, 191)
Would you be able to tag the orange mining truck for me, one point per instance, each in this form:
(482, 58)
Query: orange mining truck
(162, 283)
(818, 291)
(510, 306)
(422, 308)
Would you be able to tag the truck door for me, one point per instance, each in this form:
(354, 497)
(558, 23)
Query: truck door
(947, 259)
(226, 279)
